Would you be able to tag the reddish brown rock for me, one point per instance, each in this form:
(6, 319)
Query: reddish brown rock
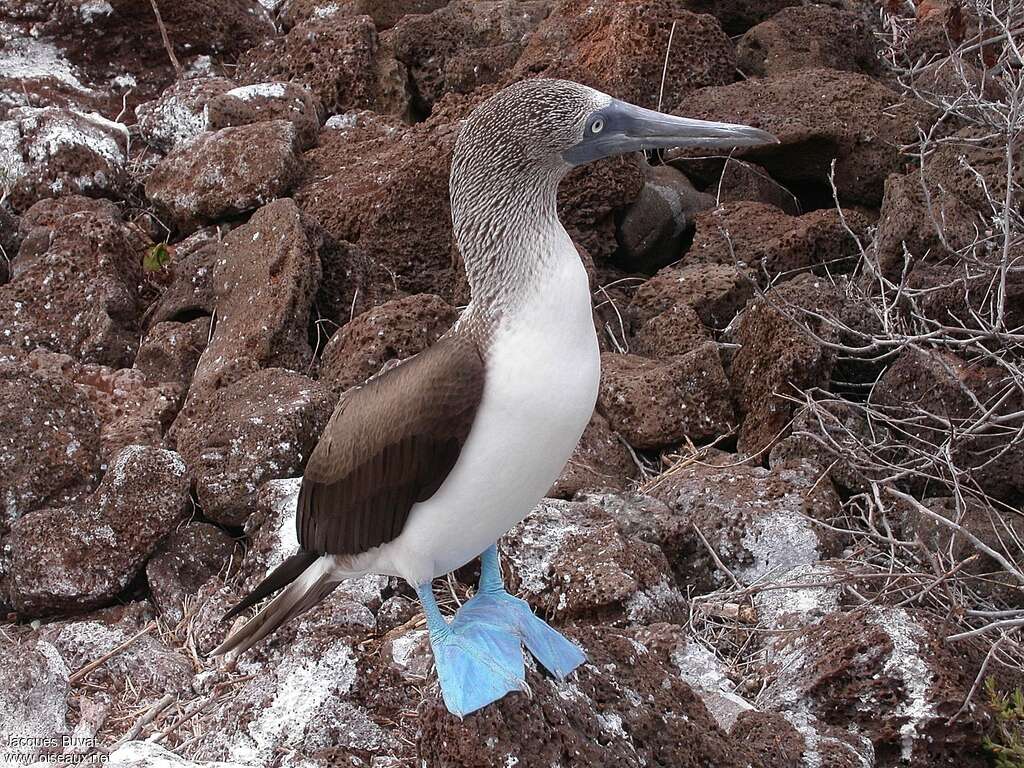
(600, 462)
(885, 673)
(75, 558)
(131, 409)
(385, 13)
(385, 194)
(771, 737)
(261, 427)
(191, 293)
(675, 331)
(267, 101)
(49, 151)
(759, 522)
(186, 560)
(943, 395)
(657, 403)
(808, 37)
(625, 707)
(716, 292)
(779, 355)
(170, 351)
(740, 180)
(462, 45)
(592, 199)
(818, 115)
(33, 694)
(179, 114)
(654, 228)
(764, 239)
(570, 559)
(339, 58)
(619, 47)
(264, 280)
(10, 241)
(80, 295)
(906, 225)
(225, 173)
(391, 332)
(50, 446)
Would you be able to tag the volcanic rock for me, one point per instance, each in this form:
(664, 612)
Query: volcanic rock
(808, 37)
(75, 558)
(33, 696)
(186, 560)
(267, 101)
(716, 292)
(657, 403)
(179, 115)
(225, 173)
(675, 331)
(393, 331)
(264, 279)
(79, 296)
(49, 451)
(600, 461)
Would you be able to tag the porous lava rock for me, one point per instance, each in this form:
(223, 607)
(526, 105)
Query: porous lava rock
(757, 521)
(225, 173)
(808, 37)
(675, 331)
(570, 559)
(340, 59)
(600, 461)
(385, 13)
(50, 151)
(716, 292)
(885, 673)
(657, 403)
(462, 45)
(941, 394)
(79, 293)
(393, 331)
(818, 115)
(131, 409)
(267, 101)
(619, 47)
(741, 180)
(186, 560)
(50, 446)
(264, 278)
(595, 718)
(33, 695)
(261, 427)
(764, 239)
(780, 354)
(179, 114)
(170, 351)
(80, 557)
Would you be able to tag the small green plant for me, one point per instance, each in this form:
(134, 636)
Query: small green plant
(157, 257)
(1005, 744)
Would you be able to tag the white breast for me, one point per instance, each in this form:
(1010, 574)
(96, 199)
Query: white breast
(542, 377)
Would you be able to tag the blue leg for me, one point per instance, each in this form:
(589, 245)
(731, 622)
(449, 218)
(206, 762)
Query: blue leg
(492, 604)
(477, 661)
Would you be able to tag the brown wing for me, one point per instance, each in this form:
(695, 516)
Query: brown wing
(389, 444)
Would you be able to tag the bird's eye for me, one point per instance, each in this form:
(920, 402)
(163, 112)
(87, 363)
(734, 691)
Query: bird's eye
(597, 126)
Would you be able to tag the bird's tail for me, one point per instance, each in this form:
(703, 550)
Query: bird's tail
(306, 579)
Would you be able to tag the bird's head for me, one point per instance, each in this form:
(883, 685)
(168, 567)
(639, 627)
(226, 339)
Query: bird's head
(550, 126)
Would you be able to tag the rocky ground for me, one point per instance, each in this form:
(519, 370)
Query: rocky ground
(791, 534)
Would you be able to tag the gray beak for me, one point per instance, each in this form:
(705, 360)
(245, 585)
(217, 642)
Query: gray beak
(621, 127)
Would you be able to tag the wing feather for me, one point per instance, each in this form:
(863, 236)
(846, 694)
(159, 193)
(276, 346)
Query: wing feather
(389, 444)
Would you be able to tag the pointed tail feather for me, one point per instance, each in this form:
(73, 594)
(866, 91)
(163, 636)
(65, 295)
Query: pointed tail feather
(306, 582)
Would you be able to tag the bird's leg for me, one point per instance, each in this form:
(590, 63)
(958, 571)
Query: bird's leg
(494, 605)
(477, 661)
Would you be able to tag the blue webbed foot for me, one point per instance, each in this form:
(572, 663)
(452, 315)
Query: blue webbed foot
(493, 605)
(555, 653)
(477, 661)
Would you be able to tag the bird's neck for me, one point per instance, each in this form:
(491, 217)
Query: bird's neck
(508, 233)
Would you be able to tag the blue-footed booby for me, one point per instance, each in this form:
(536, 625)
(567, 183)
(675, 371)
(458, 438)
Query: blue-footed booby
(422, 468)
